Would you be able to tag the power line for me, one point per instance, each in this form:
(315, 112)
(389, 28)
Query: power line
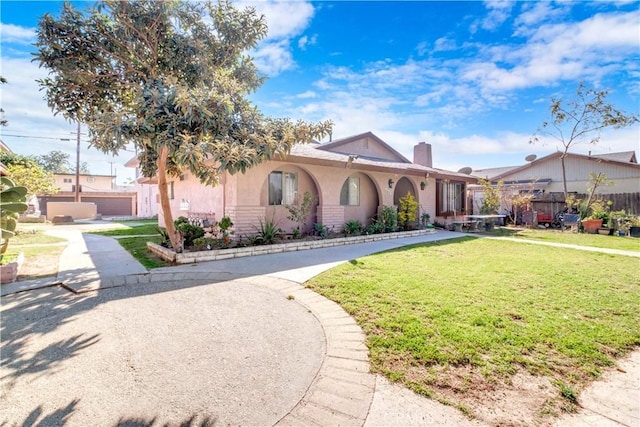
(33, 137)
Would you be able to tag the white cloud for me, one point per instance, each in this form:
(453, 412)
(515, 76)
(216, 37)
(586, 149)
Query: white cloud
(274, 57)
(305, 41)
(499, 12)
(17, 34)
(306, 95)
(444, 44)
(556, 52)
(285, 21)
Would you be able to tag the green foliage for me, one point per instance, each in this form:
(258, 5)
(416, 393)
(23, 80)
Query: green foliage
(375, 227)
(189, 231)
(58, 162)
(300, 213)
(25, 171)
(164, 237)
(389, 218)
(13, 201)
(170, 78)
(491, 193)
(319, 229)
(268, 231)
(353, 227)
(407, 212)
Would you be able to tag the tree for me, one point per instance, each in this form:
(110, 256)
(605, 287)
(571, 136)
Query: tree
(55, 162)
(58, 162)
(492, 193)
(25, 171)
(171, 78)
(580, 120)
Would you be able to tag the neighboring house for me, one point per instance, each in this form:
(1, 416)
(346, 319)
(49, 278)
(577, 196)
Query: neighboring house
(110, 200)
(148, 199)
(350, 178)
(543, 178)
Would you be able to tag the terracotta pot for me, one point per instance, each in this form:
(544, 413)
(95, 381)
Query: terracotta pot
(592, 225)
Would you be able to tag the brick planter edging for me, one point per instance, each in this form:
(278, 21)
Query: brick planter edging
(9, 272)
(218, 254)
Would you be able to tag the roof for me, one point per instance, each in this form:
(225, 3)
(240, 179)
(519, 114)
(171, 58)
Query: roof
(316, 153)
(335, 145)
(624, 156)
(489, 173)
(609, 158)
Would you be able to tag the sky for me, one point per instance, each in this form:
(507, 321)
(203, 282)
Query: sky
(474, 79)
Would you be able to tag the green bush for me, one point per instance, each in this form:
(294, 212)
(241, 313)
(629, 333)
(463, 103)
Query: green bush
(375, 227)
(189, 231)
(352, 227)
(389, 218)
(268, 231)
(408, 212)
(319, 229)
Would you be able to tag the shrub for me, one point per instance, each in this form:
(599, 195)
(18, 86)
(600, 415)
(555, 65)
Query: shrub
(189, 231)
(319, 229)
(300, 213)
(408, 212)
(376, 227)
(165, 242)
(389, 218)
(352, 227)
(268, 231)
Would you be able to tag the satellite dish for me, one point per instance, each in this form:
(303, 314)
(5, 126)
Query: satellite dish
(531, 157)
(465, 170)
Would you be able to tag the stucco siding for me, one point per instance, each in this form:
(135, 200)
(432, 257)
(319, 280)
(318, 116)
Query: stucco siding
(368, 147)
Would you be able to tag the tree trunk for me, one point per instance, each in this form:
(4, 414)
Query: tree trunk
(163, 190)
(564, 176)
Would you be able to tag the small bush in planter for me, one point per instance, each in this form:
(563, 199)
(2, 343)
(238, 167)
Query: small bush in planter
(352, 228)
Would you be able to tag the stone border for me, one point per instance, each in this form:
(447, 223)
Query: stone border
(9, 272)
(219, 254)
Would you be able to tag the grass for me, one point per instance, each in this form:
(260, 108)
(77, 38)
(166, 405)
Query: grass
(130, 230)
(33, 237)
(468, 313)
(137, 247)
(568, 237)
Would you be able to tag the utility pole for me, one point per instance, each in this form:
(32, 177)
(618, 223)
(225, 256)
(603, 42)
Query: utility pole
(111, 173)
(78, 166)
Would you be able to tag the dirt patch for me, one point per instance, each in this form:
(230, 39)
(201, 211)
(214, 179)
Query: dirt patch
(39, 264)
(520, 400)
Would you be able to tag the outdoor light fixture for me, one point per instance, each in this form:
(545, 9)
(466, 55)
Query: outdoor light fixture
(423, 185)
(391, 183)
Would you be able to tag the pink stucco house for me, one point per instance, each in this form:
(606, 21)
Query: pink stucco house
(351, 178)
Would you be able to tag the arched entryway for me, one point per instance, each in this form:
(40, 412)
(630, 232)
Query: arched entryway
(403, 186)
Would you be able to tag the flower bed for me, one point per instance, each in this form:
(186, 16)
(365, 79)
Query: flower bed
(300, 245)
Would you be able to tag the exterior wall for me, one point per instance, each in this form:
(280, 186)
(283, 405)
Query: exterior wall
(75, 210)
(626, 178)
(148, 200)
(191, 197)
(367, 147)
(88, 183)
(244, 197)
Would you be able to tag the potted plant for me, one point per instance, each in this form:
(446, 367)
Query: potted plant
(599, 214)
(634, 225)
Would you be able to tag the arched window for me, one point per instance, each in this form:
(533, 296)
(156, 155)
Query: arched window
(350, 193)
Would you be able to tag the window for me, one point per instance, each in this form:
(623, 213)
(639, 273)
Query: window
(350, 193)
(283, 188)
(66, 180)
(450, 196)
(91, 179)
(171, 194)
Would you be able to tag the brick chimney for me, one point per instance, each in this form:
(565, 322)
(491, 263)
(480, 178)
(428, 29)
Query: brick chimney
(422, 154)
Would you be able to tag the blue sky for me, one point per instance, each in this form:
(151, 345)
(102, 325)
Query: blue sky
(474, 79)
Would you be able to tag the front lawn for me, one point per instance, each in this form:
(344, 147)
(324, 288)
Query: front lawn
(458, 320)
(625, 243)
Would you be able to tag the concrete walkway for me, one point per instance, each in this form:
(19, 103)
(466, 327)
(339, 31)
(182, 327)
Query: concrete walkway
(269, 351)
